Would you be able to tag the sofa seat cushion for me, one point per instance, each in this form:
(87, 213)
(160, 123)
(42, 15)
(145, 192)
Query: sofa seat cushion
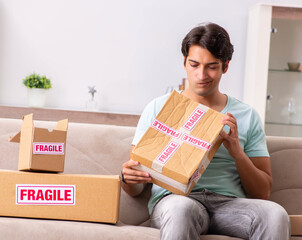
(36, 229)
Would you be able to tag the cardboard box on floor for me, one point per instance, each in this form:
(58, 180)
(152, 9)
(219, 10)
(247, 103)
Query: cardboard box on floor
(93, 198)
(41, 149)
(179, 144)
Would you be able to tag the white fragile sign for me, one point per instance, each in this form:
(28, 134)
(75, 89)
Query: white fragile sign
(48, 148)
(33, 194)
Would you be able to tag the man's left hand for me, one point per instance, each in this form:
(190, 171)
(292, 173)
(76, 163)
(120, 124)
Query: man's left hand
(231, 139)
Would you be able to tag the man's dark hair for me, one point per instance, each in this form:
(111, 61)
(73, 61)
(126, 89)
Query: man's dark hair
(211, 37)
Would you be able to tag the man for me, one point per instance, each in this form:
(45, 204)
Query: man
(226, 199)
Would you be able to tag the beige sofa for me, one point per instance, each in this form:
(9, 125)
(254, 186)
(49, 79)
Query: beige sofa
(101, 149)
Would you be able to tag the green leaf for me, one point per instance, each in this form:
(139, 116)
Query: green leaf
(36, 81)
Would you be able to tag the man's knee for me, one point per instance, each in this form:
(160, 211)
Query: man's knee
(277, 214)
(271, 211)
(181, 214)
(273, 222)
(251, 219)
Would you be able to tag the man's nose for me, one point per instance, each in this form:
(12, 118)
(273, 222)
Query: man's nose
(202, 73)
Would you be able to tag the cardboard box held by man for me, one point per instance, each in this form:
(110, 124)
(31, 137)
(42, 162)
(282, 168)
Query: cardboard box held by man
(179, 144)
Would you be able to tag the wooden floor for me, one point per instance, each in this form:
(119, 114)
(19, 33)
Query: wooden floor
(73, 116)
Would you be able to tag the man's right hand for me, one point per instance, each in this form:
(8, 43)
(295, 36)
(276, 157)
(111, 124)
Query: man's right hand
(135, 180)
(133, 176)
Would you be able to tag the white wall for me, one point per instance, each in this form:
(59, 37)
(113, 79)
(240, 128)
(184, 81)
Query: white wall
(128, 49)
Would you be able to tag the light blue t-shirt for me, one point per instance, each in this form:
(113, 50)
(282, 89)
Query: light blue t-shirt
(221, 175)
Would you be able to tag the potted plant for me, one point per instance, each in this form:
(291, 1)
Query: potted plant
(36, 89)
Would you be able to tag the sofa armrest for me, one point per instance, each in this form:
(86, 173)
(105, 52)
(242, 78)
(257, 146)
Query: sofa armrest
(296, 225)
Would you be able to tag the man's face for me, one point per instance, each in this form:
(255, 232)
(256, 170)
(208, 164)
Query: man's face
(204, 71)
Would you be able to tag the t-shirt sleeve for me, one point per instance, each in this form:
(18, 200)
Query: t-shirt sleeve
(256, 140)
(144, 122)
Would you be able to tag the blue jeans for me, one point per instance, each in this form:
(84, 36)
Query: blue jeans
(180, 217)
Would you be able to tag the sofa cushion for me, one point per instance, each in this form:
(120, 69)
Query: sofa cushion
(286, 161)
(9, 151)
(36, 229)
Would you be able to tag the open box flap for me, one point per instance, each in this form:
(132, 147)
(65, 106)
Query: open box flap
(62, 125)
(27, 123)
(16, 138)
(26, 141)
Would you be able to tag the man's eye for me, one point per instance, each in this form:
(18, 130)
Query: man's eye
(212, 67)
(194, 65)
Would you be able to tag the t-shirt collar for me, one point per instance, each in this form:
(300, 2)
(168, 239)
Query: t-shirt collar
(225, 109)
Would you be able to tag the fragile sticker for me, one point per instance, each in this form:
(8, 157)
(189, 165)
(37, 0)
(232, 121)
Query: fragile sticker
(196, 142)
(179, 138)
(31, 194)
(159, 126)
(48, 148)
(168, 152)
(196, 175)
(193, 119)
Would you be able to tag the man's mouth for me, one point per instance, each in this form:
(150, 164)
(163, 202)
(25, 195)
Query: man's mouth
(203, 83)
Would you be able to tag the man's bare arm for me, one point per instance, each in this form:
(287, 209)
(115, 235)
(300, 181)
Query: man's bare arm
(255, 172)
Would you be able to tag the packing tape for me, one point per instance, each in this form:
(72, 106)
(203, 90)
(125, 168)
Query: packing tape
(165, 155)
(179, 137)
(162, 178)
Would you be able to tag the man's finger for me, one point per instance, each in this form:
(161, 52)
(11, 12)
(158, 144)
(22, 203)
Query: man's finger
(130, 164)
(230, 114)
(133, 172)
(137, 178)
(135, 182)
(232, 126)
(223, 134)
(229, 119)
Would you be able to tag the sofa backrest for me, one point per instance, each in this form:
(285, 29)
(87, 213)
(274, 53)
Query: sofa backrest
(102, 149)
(9, 152)
(286, 161)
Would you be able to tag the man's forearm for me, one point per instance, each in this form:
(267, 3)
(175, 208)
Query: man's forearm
(133, 189)
(254, 175)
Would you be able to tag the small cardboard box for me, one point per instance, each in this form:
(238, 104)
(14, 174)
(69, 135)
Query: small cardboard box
(179, 144)
(93, 198)
(296, 225)
(41, 149)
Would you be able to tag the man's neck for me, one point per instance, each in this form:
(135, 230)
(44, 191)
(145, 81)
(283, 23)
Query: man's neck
(216, 101)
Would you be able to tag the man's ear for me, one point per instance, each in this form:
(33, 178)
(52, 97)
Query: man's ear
(226, 66)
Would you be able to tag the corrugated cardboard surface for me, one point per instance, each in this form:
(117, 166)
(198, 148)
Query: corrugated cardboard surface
(187, 158)
(97, 196)
(29, 135)
(296, 225)
(53, 163)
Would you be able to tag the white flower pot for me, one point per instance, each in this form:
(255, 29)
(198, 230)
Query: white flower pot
(36, 97)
